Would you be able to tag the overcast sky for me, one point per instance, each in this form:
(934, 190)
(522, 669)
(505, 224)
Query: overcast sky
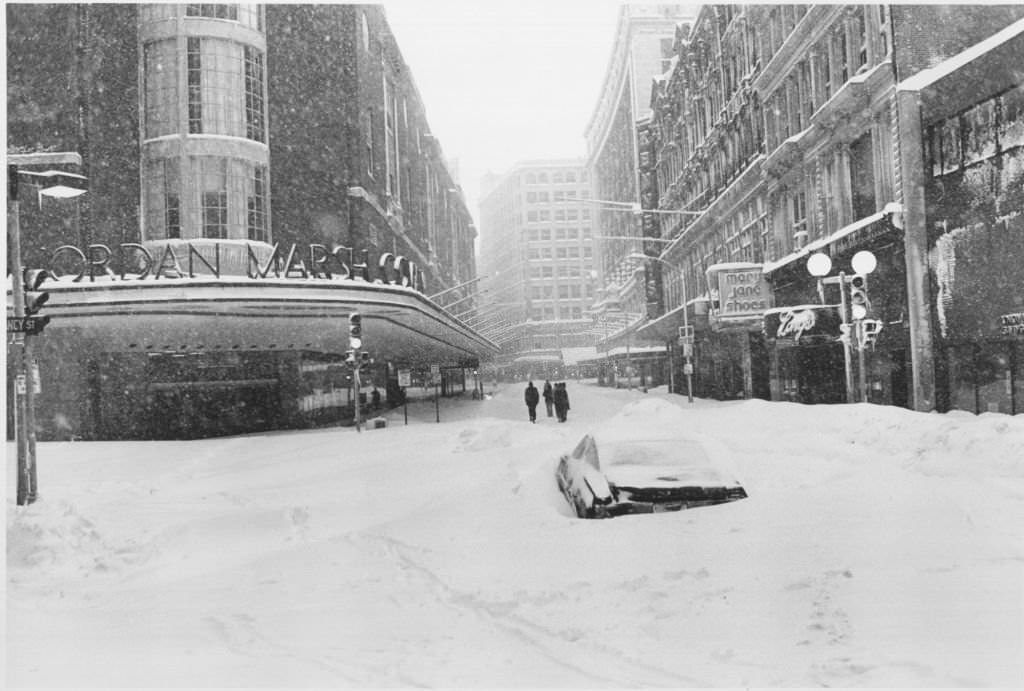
(505, 81)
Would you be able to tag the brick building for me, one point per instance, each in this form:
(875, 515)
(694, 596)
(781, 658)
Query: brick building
(224, 127)
(786, 129)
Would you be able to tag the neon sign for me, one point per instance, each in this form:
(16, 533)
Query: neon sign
(315, 261)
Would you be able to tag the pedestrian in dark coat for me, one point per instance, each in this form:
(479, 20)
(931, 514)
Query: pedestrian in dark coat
(532, 398)
(548, 397)
(561, 401)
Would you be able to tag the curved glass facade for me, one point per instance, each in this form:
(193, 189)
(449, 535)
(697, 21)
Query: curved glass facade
(205, 162)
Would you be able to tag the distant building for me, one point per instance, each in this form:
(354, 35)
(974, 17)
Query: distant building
(537, 259)
(230, 126)
(643, 49)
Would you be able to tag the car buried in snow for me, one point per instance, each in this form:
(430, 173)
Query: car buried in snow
(650, 473)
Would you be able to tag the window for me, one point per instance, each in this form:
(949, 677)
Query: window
(213, 11)
(545, 234)
(531, 197)
(213, 185)
(531, 216)
(556, 178)
(862, 176)
(255, 109)
(256, 205)
(883, 29)
(195, 94)
(225, 88)
(861, 39)
(392, 180)
(160, 89)
(162, 199)
(798, 218)
(370, 153)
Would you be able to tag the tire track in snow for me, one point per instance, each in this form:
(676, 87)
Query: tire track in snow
(553, 645)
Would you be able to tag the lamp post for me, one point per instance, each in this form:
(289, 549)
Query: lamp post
(864, 262)
(687, 344)
(52, 183)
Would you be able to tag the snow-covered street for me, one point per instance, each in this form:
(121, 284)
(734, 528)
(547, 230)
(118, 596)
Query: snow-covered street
(878, 547)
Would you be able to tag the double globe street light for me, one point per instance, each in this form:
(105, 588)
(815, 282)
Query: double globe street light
(864, 330)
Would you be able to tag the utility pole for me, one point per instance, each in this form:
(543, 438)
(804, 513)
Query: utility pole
(24, 285)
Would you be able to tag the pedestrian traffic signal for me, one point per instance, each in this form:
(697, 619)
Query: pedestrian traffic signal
(355, 330)
(860, 305)
(350, 357)
(364, 360)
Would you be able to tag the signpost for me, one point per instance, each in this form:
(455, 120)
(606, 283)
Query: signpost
(435, 375)
(404, 382)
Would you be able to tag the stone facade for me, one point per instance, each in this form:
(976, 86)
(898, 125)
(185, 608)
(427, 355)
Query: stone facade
(781, 130)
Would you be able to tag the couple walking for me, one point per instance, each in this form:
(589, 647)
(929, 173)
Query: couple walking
(554, 397)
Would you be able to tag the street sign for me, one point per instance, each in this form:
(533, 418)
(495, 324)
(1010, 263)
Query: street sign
(404, 378)
(688, 368)
(28, 325)
(686, 332)
(19, 384)
(687, 349)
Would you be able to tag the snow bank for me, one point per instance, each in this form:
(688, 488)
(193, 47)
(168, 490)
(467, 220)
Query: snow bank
(878, 547)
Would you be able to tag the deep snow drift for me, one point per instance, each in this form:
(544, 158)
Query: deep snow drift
(877, 547)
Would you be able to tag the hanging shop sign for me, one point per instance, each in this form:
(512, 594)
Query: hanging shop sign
(803, 324)
(739, 290)
(132, 261)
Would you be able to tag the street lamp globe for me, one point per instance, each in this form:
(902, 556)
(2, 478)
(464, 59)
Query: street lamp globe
(819, 264)
(864, 262)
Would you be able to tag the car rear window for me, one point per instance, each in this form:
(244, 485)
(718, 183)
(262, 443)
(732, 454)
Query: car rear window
(675, 452)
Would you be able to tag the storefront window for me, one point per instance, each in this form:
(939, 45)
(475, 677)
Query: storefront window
(995, 379)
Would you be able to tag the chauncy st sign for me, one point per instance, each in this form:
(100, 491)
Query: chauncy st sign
(176, 260)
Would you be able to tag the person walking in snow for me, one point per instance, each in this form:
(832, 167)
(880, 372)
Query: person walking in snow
(532, 398)
(561, 397)
(548, 396)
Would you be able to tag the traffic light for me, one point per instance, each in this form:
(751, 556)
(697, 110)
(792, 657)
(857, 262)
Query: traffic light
(34, 297)
(350, 357)
(860, 305)
(364, 360)
(355, 331)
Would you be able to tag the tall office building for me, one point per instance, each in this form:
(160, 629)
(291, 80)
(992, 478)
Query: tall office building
(537, 256)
